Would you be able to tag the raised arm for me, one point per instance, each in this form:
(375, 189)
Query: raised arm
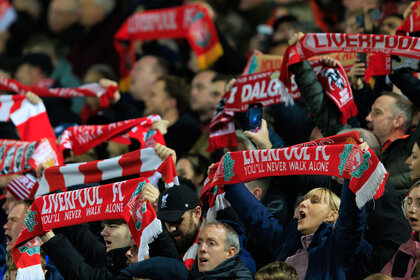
(257, 219)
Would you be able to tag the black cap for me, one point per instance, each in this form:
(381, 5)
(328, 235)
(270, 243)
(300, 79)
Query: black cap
(174, 201)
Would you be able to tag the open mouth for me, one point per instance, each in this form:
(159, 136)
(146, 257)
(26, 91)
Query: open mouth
(8, 238)
(301, 215)
(176, 236)
(108, 243)
(413, 220)
(202, 261)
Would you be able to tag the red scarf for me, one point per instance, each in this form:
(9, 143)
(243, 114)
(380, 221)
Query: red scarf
(31, 120)
(93, 89)
(111, 201)
(321, 43)
(334, 156)
(84, 137)
(266, 88)
(144, 162)
(21, 187)
(411, 23)
(21, 157)
(189, 21)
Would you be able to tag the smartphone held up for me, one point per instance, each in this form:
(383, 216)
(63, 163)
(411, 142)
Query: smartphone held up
(254, 116)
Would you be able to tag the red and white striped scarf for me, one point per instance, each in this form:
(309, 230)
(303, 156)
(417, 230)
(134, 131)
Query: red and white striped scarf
(412, 22)
(144, 162)
(31, 120)
(21, 157)
(111, 201)
(84, 137)
(21, 187)
(334, 156)
(92, 89)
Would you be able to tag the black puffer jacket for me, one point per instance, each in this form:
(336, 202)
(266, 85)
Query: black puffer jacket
(232, 268)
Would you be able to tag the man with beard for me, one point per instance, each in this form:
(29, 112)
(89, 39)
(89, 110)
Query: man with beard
(179, 208)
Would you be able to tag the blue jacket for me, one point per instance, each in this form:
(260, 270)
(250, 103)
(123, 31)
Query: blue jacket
(333, 253)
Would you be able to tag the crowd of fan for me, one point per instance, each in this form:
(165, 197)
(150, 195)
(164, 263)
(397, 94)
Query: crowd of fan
(289, 227)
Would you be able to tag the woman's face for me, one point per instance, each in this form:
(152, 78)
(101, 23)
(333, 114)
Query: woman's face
(413, 162)
(311, 212)
(412, 209)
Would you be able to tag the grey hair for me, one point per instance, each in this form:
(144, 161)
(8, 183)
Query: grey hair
(402, 106)
(231, 237)
(368, 137)
(108, 4)
(243, 139)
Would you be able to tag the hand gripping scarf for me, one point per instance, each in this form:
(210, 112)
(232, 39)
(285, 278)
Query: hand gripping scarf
(337, 155)
(31, 120)
(144, 162)
(192, 22)
(21, 157)
(112, 201)
(266, 88)
(84, 137)
(92, 89)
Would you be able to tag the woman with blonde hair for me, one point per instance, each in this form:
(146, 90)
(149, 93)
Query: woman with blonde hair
(276, 271)
(323, 241)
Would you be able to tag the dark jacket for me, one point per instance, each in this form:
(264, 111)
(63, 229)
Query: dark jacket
(232, 268)
(332, 253)
(323, 110)
(161, 268)
(400, 149)
(158, 268)
(72, 265)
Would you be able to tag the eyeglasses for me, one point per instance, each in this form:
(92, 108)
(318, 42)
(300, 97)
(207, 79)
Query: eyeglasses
(408, 202)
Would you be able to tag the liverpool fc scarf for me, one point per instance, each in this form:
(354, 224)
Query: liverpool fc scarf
(321, 43)
(112, 201)
(334, 156)
(144, 162)
(20, 157)
(260, 62)
(189, 21)
(31, 120)
(84, 137)
(92, 89)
